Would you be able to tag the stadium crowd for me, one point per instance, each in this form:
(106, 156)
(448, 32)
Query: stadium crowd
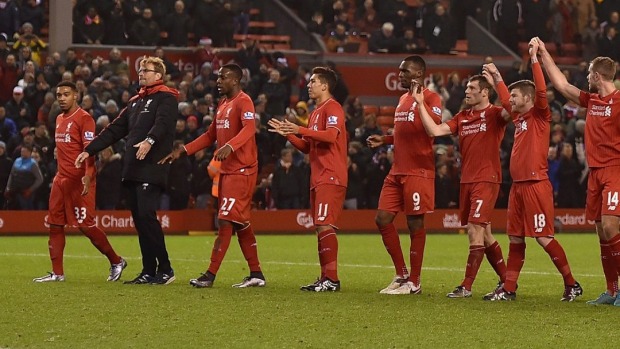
(28, 109)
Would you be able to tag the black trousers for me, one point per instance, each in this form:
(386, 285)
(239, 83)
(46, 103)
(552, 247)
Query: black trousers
(143, 201)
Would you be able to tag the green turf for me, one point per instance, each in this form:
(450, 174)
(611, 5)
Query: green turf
(88, 312)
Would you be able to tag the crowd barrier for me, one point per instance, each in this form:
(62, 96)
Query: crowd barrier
(274, 222)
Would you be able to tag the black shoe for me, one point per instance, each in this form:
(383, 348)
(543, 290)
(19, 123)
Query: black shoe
(164, 278)
(141, 279)
(324, 285)
(204, 281)
(571, 292)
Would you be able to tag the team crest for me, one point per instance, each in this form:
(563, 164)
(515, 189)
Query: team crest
(228, 112)
(69, 126)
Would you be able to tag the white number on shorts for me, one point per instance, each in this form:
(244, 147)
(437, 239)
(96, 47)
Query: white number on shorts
(227, 205)
(322, 212)
(80, 213)
(612, 200)
(539, 222)
(416, 201)
(477, 213)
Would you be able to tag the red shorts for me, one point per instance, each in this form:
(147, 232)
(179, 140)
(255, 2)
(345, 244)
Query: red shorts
(326, 203)
(603, 193)
(235, 197)
(530, 209)
(412, 195)
(68, 206)
(477, 201)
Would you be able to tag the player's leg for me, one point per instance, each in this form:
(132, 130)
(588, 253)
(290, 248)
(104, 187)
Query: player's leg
(240, 212)
(594, 206)
(56, 243)
(610, 220)
(475, 233)
(516, 254)
(418, 198)
(327, 205)
(390, 202)
(493, 252)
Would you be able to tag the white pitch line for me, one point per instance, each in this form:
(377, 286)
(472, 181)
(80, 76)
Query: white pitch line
(345, 265)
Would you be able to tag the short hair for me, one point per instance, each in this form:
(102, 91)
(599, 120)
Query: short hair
(158, 64)
(604, 66)
(326, 76)
(483, 83)
(69, 84)
(417, 60)
(526, 87)
(235, 68)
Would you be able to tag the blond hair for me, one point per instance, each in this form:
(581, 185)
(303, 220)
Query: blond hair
(158, 64)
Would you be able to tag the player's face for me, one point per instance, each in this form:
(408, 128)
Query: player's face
(517, 100)
(147, 75)
(408, 72)
(66, 97)
(473, 93)
(225, 81)
(593, 79)
(316, 87)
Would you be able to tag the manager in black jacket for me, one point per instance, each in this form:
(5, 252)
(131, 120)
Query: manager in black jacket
(148, 122)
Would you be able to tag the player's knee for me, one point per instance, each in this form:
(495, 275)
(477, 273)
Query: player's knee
(382, 219)
(610, 228)
(544, 241)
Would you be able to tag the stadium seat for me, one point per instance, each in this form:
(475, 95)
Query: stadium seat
(371, 109)
(383, 121)
(387, 110)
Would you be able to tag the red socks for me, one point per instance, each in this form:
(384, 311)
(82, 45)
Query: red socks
(496, 259)
(476, 254)
(56, 245)
(614, 251)
(100, 241)
(328, 254)
(220, 247)
(609, 268)
(416, 254)
(247, 242)
(556, 252)
(391, 241)
(516, 258)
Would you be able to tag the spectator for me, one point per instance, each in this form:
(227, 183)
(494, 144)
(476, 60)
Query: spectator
(536, 18)
(145, 31)
(287, 182)
(91, 28)
(132, 9)
(249, 56)
(507, 16)
(317, 24)
(444, 188)
(411, 44)
(438, 32)
(376, 171)
(9, 71)
(609, 44)
(6, 163)
(368, 129)
(4, 48)
(200, 181)
(337, 39)
(116, 64)
(569, 174)
(192, 129)
(177, 26)
(590, 37)
(24, 179)
(7, 127)
(366, 20)
(172, 71)
(355, 187)
(109, 183)
(562, 30)
(354, 113)
(226, 26)
(116, 28)
(19, 110)
(43, 142)
(41, 195)
(384, 41)
(34, 44)
(206, 18)
(207, 54)
(275, 91)
(9, 18)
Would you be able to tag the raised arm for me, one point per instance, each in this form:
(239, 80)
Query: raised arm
(555, 75)
(490, 72)
(431, 127)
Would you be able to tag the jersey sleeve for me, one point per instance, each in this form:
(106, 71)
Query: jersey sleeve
(246, 113)
(540, 100)
(584, 98)
(87, 135)
(454, 123)
(433, 106)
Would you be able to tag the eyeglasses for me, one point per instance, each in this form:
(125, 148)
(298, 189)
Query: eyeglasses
(144, 70)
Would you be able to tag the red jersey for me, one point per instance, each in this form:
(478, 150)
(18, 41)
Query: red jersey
(233, 125)
(528, 161)
(413, 148)
(73, 133)
(328, 161)
(602, 135)
(480, 134)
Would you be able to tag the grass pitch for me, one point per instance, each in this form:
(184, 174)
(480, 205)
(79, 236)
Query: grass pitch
(88, 312)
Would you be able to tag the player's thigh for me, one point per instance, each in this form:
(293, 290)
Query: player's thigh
(538, 210)
(611, 191)
(391, 197)
(594, 195)
(327, 203)
(56, 213)
(80, 209)
(514, 215)
(481, 202)
(465, 202)
(418, 195)
(235, 197)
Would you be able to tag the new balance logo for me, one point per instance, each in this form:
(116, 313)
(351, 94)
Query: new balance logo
(538, 230)
(611, 208)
